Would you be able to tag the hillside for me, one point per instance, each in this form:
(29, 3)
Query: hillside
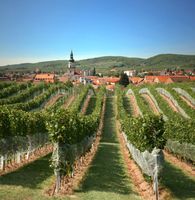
(171, 60)
(111, 61)
(104, 64)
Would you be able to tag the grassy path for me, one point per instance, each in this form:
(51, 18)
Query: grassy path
(27, 183)
(107, 178)
(180, 184)
(127, 105)
(91, 105)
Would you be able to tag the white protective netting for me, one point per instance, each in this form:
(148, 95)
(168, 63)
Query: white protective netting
(146, 91)
(185, 150)
(146, 160)
(185, 95)
(193, 89)
(168, 95)
(65, 154)
(13, 149)
(130, 92)
(151, 164)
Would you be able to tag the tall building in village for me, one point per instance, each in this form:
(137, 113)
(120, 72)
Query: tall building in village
(71, 65)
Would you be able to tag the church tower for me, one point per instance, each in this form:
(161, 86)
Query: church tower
(71, 66)
(71, 61)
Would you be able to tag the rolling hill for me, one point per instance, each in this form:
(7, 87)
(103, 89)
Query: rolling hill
(107, 63)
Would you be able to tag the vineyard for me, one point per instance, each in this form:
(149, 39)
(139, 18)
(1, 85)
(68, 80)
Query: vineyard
(62, 142)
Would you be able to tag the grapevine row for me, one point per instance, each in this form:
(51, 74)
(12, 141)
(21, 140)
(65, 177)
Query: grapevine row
(21, 133)
(179, 132)
(14, 88)
(24, 95)
(38, 101)
(5, 84)
(72, 134)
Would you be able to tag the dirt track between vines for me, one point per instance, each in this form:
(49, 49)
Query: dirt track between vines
(151, 103)
(85, 104)
(68, 101)
(188, 102)
(172, 106)
(135, 110)
(53, 100)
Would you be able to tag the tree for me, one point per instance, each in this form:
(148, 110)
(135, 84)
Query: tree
(124, 80)
(94, 72)
(69, 84)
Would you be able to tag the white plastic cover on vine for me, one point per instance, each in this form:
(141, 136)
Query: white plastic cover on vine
(130, 92)
(64, 153)
(146, 91)
(14, 147)
(167, 94)
(186, 95)
(193, 89)
(146, 160)
(91, 92)
(185, 150)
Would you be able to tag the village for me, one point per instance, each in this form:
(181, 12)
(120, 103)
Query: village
(78, 76)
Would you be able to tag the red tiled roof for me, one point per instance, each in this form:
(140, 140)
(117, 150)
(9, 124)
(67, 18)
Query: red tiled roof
(93, 77)
(179, 78)
(112, 80)
(135, 80)
(192, 78)
(150, 78)
(163, 79)
(63, 78)
(45, 76)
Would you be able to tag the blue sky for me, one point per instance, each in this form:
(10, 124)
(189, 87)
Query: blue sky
(38, 30)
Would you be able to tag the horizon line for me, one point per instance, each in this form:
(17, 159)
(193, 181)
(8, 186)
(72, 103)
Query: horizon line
(79, 58)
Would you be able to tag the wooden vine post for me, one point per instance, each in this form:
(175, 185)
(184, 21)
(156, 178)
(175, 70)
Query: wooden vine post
(57, 169)
(29, 146)
(2, 162)
(155, 177)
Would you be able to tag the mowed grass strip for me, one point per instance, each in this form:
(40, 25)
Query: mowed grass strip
(127, 105)
(28, 182)
(107, 176)
(91, 105)
(106, 179)
(180, 184)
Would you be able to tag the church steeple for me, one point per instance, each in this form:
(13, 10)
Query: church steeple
(71, 57)
(71, 61)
